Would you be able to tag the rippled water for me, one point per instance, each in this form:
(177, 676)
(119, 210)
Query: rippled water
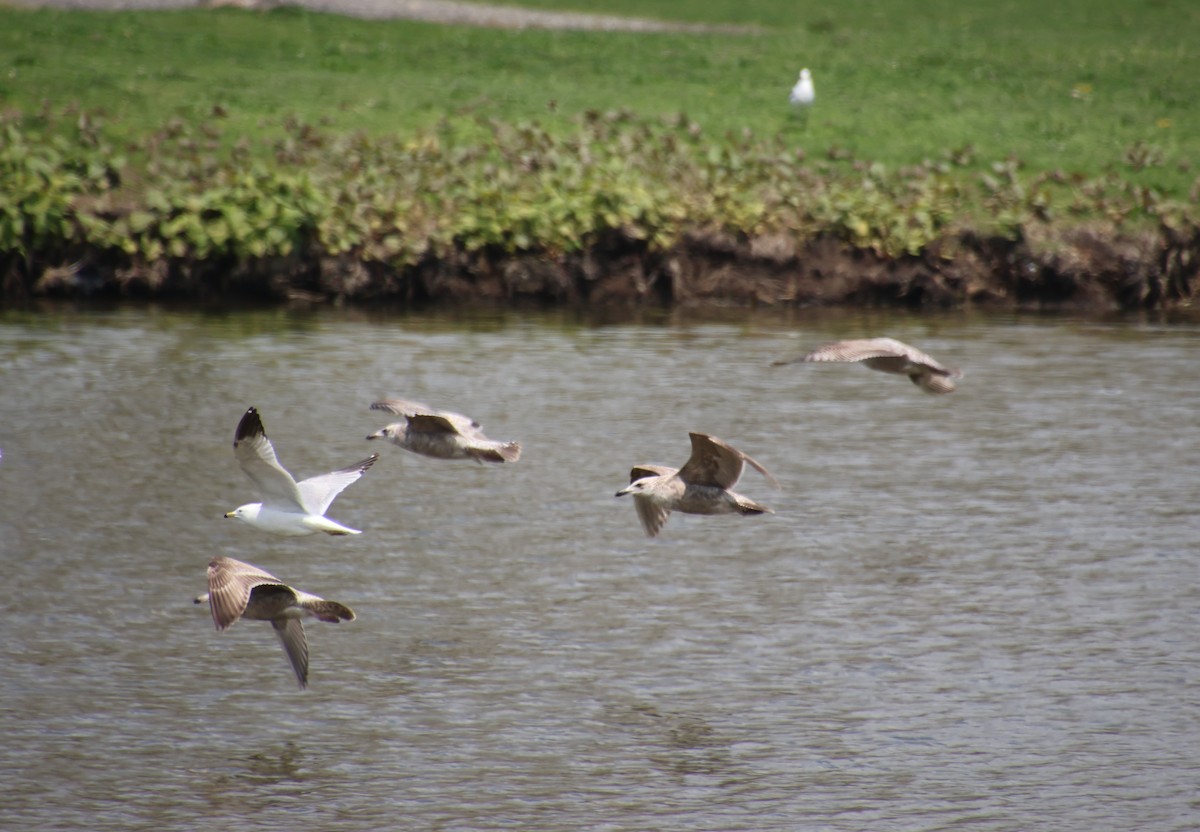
(976, 611)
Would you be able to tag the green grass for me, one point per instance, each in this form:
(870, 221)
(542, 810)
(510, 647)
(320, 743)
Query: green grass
(1073, 85)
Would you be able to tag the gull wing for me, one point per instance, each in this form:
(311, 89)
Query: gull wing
(401, 407)
(255, 453)
(652, 515)
(436, 423)
(408, 408)
(863, 349)
(758, 466)
(295, 644)
(317, 493)
(642, 471)
(714, 462)
(230, 583)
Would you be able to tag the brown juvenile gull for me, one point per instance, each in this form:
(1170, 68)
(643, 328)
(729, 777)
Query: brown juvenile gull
(239, 590)
(889, 356)
(288, 507)
(441, 434)
(701, 486)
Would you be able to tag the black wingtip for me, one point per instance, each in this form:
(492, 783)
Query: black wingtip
(250, 425)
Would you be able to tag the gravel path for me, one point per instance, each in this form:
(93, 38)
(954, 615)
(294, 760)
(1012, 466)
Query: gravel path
(433, 11)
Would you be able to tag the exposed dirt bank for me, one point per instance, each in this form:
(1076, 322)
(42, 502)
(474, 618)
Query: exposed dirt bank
(1084, 269)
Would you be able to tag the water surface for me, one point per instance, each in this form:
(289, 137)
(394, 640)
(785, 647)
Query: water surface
(975, 611)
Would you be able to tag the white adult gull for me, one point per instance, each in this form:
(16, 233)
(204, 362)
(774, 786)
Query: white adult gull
(288, 507)
(441, 434)
(803, 94)
(238, 590)
(889, 356)
(701, 486)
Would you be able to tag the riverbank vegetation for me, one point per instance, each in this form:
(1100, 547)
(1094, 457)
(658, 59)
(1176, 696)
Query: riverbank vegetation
(954, 155)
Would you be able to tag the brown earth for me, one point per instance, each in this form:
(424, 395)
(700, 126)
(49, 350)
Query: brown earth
(1086, 268)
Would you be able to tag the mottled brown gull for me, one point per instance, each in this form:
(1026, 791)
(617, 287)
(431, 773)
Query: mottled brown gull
(701, 486)
(288, 507)
(238, 590)
(441, 434)
(889, 356)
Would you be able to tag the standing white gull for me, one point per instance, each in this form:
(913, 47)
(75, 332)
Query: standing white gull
(239, 590)
(441, 434)
(701, 486)
(288, 507)
(803, 94)
(889, 356)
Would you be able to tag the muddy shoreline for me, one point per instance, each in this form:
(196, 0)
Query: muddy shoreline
(1085, 268)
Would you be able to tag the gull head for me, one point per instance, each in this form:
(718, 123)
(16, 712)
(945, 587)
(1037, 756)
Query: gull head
(247, 513)
(638, 486)
(391, 432)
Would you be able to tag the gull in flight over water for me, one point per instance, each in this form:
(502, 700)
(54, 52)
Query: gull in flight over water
(239, 590)
(701, 486)
(441, 434)
(889, 356)
(803, 94)
(288, 507)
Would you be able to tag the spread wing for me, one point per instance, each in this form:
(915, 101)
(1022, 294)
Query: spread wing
(758, 466)
(295, 644)
(713, 462)
(863, 349)
(652, 515)
(317, 493)
(230, 583)
(436, 423)
(407, 408)
(401, 407)
(256, 455)
(641, 471)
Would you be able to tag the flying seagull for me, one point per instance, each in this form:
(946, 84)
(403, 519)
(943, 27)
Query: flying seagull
(239, 590)
(889, 356)
(803, 94)
(288, 507)
(701, 486)
(441, 434)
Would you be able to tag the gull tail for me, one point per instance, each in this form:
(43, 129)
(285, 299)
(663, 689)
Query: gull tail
(498, 452)
(934, 384)
(329, 611)
(747, 506)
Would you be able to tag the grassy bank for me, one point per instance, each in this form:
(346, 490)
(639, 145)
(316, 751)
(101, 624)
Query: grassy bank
(219, 143)
(1074, 85)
